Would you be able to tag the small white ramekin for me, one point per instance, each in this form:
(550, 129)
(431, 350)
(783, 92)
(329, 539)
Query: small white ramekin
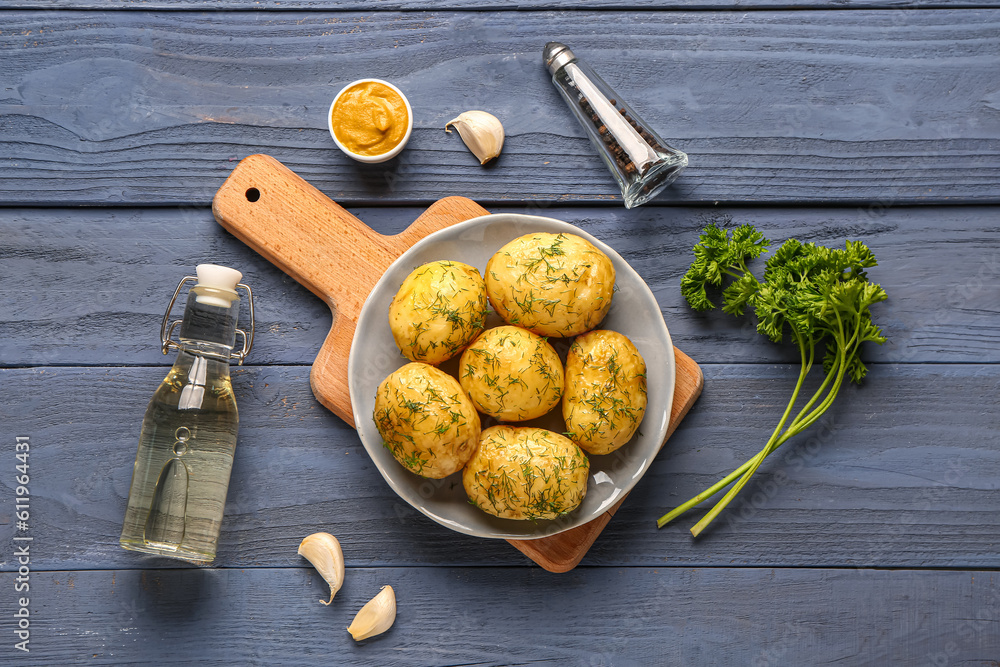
(372, 159)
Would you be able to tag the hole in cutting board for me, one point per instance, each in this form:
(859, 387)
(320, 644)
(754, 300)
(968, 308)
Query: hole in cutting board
(253, 194)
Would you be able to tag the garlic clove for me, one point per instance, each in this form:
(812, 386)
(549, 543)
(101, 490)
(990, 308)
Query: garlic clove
(482, 132)
(323, 551)
(376, 616)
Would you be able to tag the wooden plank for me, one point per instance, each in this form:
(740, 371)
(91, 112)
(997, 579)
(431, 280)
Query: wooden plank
(903, 473)
(69, 276)
(486, 5)
(773, 106)
(449, 616)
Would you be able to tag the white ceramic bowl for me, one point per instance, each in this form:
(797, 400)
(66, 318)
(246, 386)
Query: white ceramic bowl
(371, 159)
(374, 355)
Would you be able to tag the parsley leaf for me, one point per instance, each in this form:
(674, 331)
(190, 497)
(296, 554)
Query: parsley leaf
(716, 256)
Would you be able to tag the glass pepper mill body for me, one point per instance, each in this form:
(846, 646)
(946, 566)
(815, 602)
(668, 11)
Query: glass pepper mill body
(188, 439)
(641, 162)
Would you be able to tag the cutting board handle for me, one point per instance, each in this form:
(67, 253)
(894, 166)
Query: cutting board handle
(323, 247)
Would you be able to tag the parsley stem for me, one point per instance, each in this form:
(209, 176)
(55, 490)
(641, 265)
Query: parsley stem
(797, 426)
(757, 460)
(708, 493)
(801, 421)
(704, 495)
(754, 462)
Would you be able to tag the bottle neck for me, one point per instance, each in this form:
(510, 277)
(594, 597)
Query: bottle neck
(200, 366)
(213, 351)
(199, 377)
(209, 327)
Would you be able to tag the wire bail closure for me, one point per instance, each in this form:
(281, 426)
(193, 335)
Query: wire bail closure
(167, 330)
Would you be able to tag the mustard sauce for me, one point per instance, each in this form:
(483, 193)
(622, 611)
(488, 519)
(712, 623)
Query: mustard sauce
(370, 118)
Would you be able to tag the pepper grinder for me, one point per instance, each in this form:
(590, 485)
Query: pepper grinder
(641, 162)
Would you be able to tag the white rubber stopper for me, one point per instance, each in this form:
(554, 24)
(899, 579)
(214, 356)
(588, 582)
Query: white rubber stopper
(217, 277)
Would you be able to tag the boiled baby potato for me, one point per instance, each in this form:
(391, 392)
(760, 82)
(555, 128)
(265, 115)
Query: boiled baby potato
(512, 374)
(426, 420)
(438, 309)
(605, 396)
(553, 284)
(520, 472)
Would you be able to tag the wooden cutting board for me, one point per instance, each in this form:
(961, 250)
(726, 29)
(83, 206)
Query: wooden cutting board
(339, 259)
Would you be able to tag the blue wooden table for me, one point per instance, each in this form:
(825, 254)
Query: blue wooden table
(874, 539)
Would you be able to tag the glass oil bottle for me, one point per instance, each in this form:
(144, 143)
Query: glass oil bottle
(641, 162)
(188, 439)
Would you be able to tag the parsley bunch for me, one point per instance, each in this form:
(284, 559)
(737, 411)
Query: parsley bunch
(817, 296)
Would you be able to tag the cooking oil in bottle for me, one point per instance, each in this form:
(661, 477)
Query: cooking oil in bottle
(188, 439)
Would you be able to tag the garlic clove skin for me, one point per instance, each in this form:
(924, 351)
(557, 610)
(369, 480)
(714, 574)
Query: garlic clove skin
(323, 551)
(482, 132)
(376, 616)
